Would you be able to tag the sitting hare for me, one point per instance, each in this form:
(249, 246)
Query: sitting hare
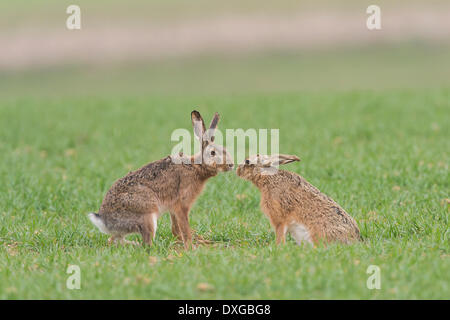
(135, 202)
(295, 206)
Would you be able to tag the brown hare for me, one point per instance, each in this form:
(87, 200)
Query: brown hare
(295, 206)
(134, 203)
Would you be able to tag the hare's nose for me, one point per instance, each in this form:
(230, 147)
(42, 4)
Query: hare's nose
(231, 165)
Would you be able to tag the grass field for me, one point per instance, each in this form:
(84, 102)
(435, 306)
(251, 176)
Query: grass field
(383, 156)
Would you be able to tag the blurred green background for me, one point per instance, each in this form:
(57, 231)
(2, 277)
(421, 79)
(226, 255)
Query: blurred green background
(141, 47)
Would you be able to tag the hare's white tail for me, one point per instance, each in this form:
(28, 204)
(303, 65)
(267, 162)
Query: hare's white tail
(300, 233)
(98, 222)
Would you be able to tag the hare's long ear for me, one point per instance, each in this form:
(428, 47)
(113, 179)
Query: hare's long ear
(212, 128)
(198, 124)
(287, 158)
(279, 159)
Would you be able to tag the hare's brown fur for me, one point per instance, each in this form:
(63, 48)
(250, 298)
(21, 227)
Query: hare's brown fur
(159, 186)
(292, 204)
(134, 202)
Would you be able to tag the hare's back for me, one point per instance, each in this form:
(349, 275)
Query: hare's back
(322, 213)
(137, 191)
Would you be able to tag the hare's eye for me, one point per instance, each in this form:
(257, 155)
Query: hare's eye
(213, 153)
(247, 161)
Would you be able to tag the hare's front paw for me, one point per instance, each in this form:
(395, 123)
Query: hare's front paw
(199, 239)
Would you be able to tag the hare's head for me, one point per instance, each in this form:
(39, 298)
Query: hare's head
(212, 155)
(263, 164)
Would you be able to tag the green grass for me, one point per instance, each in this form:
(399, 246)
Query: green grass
(382, 155)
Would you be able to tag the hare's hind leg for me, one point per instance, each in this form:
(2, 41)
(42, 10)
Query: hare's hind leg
(113, 239)
(120, 225)
(148, 229)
